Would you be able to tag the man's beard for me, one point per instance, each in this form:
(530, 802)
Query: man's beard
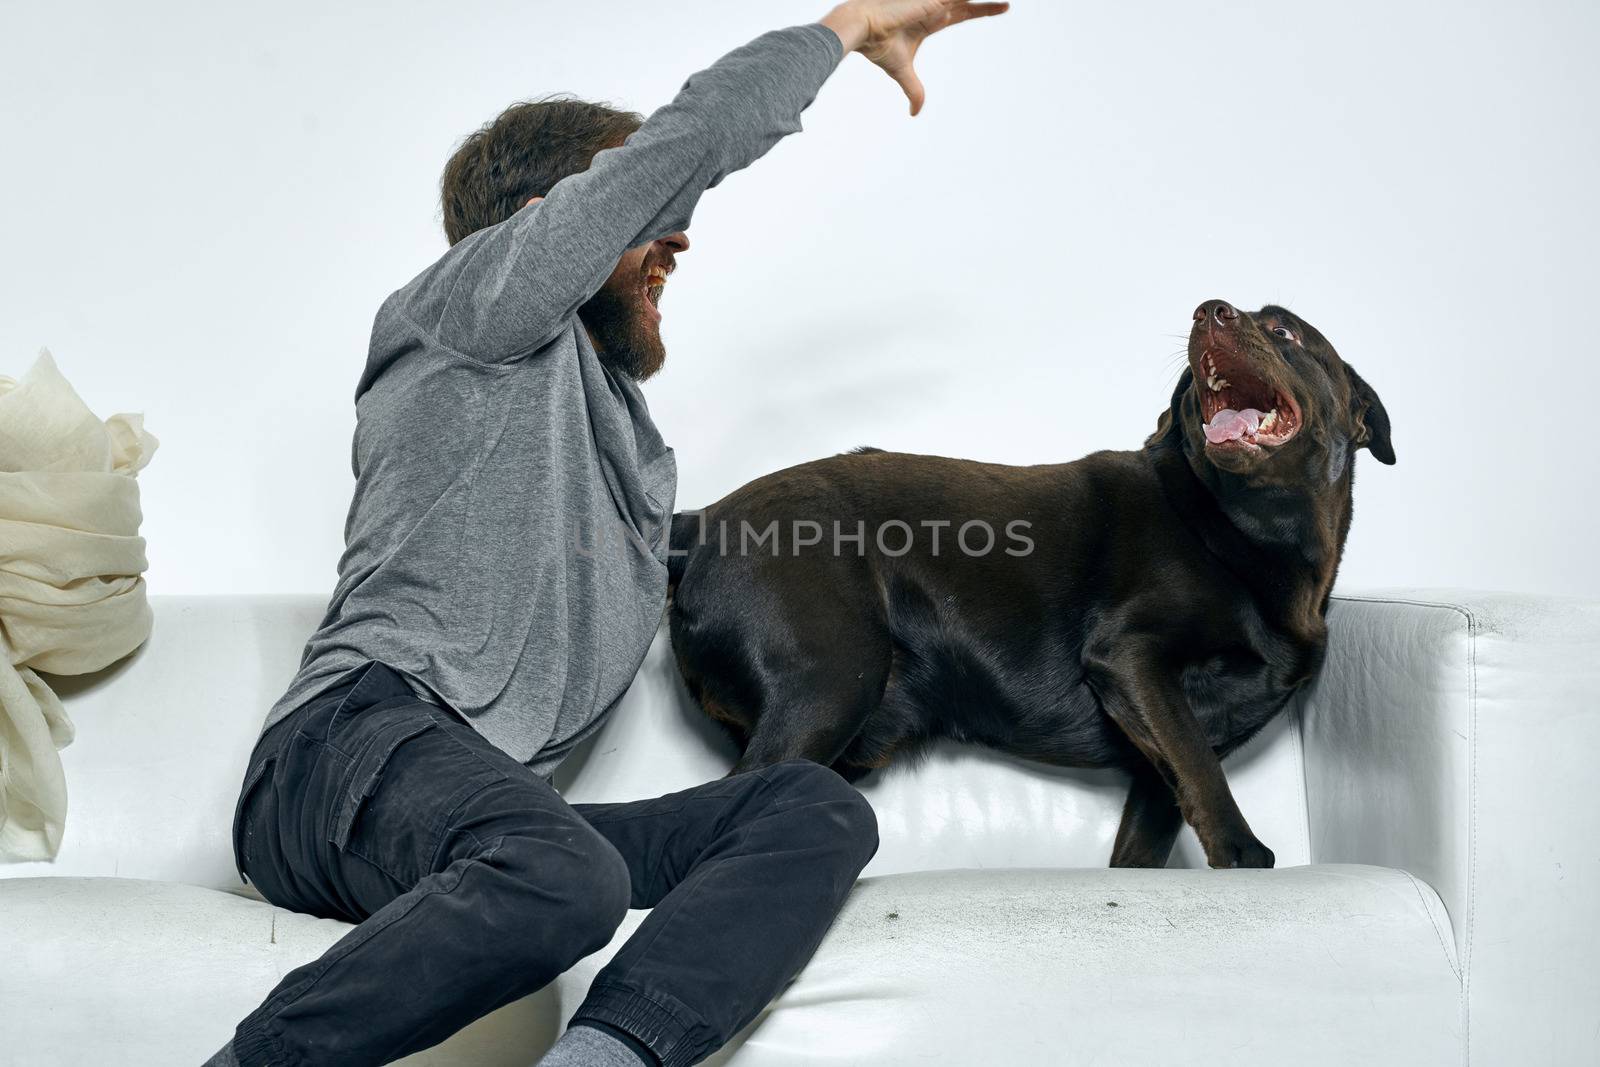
(627, 343)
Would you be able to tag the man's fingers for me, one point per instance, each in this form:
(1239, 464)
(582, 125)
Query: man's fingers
(963, 12)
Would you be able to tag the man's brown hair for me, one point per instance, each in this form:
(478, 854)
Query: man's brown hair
(522, 153)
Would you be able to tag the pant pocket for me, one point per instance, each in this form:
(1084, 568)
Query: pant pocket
(367, 774)
(403, 788)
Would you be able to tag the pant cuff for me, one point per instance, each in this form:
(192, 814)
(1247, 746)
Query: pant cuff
(655, 1026)
(254, 1047)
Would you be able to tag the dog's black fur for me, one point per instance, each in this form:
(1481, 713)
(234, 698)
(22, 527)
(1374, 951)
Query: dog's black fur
(1172, 601)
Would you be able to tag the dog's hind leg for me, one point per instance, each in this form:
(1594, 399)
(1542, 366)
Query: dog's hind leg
(818, 682)
(1150, 821)
(813, 714)
(792, 655)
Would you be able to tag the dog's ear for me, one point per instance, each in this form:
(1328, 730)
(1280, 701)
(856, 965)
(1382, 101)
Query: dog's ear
(1370, 417)
(1167, 424)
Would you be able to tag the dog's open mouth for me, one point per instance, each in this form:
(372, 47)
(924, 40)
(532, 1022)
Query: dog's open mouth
(1242, 409)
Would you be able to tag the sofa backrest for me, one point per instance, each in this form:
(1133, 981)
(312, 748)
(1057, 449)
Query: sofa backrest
(162, 739)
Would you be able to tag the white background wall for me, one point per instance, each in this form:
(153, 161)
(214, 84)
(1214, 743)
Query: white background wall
(203, 205)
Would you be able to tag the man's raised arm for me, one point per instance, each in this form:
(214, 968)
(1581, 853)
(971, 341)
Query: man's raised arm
(505, 291)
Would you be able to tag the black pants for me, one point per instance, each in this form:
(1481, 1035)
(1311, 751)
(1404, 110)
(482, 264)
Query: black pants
(474, 883)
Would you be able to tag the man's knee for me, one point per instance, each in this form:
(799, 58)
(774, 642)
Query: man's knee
(573, 895)
(818, 797)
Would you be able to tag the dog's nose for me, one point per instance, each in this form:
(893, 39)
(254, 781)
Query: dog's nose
(1220, 311)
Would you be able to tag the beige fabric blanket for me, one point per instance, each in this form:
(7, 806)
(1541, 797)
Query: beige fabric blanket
(71, 599)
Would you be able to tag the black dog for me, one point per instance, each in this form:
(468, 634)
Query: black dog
(1149, 610)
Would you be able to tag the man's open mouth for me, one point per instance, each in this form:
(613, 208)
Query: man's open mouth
(1241, 408)
(655, 282)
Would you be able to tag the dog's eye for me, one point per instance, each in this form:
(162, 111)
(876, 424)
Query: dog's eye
(1285, 333)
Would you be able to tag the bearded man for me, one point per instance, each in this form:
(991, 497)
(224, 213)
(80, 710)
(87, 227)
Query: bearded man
(503, 575)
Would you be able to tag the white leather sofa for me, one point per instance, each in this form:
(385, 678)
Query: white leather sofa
(1430, 800)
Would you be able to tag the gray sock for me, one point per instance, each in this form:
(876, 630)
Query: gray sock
(584, 1046)
(224, 1057)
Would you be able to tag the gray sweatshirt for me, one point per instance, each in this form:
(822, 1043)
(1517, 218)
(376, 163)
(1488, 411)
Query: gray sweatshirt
(506, 544)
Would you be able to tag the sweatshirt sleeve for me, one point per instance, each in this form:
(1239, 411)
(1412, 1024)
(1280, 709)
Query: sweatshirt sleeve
(507, 290)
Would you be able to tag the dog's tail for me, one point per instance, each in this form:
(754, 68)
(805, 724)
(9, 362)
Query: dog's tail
(683, 536)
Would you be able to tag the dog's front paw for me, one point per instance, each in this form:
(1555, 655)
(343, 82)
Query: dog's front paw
(1244, 852)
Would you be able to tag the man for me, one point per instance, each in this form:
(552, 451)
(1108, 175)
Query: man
(503, 575)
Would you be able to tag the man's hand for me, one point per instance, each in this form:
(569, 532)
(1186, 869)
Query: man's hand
(889, 32)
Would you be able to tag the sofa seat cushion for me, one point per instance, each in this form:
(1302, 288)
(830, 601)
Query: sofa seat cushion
(1312, 965)
(125, 971)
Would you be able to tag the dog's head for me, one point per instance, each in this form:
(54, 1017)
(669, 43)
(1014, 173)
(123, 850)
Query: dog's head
(1267, 398)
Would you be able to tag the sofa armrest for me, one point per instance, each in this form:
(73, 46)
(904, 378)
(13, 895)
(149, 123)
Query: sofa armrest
(1454, 735)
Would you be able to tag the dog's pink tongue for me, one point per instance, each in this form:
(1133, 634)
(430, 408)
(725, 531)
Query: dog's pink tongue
(1230, 425)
